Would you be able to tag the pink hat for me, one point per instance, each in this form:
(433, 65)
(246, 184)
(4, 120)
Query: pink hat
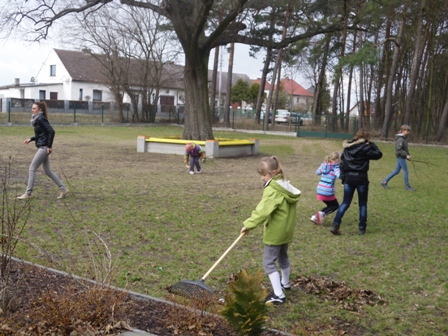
(189, 146)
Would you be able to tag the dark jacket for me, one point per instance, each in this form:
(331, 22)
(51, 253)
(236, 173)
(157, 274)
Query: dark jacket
(355, 160)
(43, 133)
(401, 146)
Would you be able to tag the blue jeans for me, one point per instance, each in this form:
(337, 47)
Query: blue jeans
(401, 164)
(194, 161)
(363, 195)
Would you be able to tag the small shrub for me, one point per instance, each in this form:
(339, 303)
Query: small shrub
(76, 308)
(13, 219)
(245, 310)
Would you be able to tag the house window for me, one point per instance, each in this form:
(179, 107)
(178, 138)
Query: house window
(97, 95)
(166, 100)
(53, 70)
(80, 94)
(53, 96)
(41, 94)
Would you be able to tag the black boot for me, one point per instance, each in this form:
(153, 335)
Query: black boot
(335, 229)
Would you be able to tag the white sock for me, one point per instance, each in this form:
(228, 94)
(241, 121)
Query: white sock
(285, 275)
(276, 284)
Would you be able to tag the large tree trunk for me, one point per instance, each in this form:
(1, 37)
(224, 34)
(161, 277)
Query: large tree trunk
(362, 107)
(264, 74)
(443, 122)
(229, 86)
(317, 105)
(418, 54)
(345, 121)
(277, 92)
(390, 82)
(271, 92)
(118, 97)
(197, 120)
(277, 68)
(214, 82)
(382, 75)
(338, 79)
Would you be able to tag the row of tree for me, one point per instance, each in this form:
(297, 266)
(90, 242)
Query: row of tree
(391, 55)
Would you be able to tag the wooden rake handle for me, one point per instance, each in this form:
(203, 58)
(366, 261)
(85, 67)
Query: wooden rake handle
(222, 257)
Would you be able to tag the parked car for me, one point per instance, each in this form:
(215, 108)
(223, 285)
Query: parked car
(295, 117)
(262, 116)
(282, 116)
(304, 117)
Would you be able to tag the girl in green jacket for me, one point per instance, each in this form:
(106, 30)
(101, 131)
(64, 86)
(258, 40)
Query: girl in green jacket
(277, 213)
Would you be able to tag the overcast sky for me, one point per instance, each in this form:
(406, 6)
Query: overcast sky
(24, 60)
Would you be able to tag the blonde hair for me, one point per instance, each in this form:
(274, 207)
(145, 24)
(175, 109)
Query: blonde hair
(270, 165)
(332, 157)
(405, 128)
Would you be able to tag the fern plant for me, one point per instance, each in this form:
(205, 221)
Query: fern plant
(245, 310)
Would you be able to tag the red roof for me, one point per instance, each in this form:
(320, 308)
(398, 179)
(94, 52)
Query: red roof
(267, 86)
(291, 87)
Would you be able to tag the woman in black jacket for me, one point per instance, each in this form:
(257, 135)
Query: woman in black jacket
(354, 165)
(43, 136)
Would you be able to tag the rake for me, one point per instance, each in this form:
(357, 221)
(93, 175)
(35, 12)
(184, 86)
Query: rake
(198, 289)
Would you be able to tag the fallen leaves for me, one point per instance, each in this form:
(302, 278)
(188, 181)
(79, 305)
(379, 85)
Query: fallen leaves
(348, 298)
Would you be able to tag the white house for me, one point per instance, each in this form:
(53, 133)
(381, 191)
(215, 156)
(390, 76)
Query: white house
(80, 76)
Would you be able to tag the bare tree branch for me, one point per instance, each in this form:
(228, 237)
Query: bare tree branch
(158, 9)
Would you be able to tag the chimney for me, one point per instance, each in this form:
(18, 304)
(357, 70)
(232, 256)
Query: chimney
(17, 81)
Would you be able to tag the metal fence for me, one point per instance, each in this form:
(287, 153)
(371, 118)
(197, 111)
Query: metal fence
(17, 111)
(102, 113)
(328, 127)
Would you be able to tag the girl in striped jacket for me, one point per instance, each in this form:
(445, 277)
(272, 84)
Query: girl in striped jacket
(329, 171)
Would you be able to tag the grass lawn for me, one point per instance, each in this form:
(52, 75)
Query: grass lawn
(162, 225)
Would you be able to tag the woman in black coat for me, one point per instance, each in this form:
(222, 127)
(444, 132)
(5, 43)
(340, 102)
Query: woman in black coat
(43, 137)
(354, 165)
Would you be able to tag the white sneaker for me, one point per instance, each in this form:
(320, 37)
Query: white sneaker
(318, 218)
(24, 196)
(63, 194)
(191, 172)
(321, 216)
(199, 171)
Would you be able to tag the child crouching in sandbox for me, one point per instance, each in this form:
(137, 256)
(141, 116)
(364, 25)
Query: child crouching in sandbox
(194, 153)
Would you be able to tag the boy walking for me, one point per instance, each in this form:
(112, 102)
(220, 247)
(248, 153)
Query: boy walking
(402, 154)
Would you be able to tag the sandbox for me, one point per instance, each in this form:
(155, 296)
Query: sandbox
(217, 148)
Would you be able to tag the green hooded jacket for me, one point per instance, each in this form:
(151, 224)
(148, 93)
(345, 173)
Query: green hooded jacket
(276, 212)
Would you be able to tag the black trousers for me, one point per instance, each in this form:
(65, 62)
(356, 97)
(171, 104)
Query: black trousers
(331, 206)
